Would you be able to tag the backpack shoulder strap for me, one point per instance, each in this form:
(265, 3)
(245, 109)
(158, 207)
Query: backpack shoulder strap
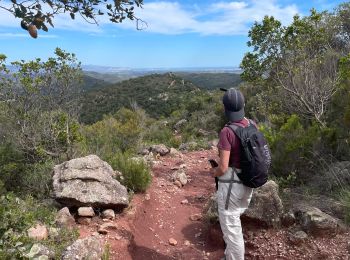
(235, 128)
(251, 122)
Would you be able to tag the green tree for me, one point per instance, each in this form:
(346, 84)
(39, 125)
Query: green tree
(296, 65)
(36, 14)
(40, 105)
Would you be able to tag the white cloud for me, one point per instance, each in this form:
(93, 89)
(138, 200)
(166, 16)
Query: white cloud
(220, 18)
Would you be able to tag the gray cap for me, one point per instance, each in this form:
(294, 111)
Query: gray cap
(233, 101)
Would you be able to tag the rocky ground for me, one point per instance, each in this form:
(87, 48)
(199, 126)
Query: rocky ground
(167, 222)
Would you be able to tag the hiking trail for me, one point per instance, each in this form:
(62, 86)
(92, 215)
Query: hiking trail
(167, 222)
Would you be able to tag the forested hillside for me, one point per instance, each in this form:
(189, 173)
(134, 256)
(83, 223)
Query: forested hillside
(157, 94)
(91, 83)
(212, 80)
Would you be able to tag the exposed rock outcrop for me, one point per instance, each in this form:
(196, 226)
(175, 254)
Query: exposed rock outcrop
(88, 248)
(266, 205)
(88, 181)
(315, 222)
(265, 208)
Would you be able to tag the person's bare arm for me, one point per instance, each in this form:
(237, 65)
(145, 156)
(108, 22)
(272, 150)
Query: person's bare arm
(223, 163)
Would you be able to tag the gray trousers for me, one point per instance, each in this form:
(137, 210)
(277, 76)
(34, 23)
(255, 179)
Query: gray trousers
(230, 221)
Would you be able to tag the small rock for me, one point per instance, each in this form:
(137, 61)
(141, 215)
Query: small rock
(39, 232)
(196, 217)
(53, 232)
(178, 184)
(160, 149)
(288, 219)
(38, 251)
(84, 221)
(175, 153)
(108, 214)
(109, 225)
(180, 176)
(86, 212)
(172, 242)
(147, 196)
(187, 243)
(103, 229)
(185, 201)
(64, 218)
(296, 238)
(144, 151)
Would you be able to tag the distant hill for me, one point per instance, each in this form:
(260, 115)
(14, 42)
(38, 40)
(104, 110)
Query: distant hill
(112, 77)
(91, 83)
(212, 80)
(158, 94)
(205, 80)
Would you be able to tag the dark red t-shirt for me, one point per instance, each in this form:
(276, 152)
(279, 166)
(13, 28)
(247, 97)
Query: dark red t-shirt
(229, 142)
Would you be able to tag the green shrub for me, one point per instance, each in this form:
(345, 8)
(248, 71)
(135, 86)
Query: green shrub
(293, 147)
(37, 179)
(122, 132)
(17, 216)
(136, 174)
(345, 199)
(22, 177)
(157, 132)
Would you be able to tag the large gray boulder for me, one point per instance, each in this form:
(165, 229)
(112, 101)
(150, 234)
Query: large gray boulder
(266, 206)
(87, 248)
(315, 222)
(88, 181)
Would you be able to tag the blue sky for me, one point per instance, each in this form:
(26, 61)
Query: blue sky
(183, 33)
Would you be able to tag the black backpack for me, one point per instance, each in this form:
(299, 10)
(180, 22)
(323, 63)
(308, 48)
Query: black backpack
(255, 155)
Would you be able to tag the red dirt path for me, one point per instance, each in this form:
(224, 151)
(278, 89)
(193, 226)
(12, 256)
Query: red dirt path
(144, 229)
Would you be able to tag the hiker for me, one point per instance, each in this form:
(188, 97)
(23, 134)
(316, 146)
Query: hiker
(231, 207)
